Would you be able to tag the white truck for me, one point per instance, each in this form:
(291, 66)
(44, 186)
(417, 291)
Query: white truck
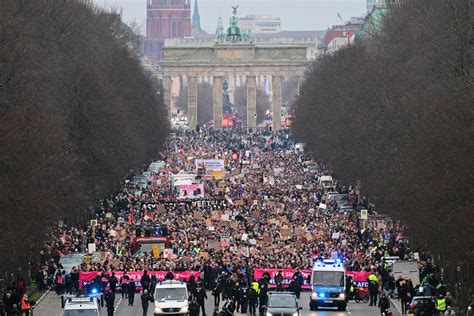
(328, 280)
(407, 269)
(326, 182)
(82, 306)
(171, 298)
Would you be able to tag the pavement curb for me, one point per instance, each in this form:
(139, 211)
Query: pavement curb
(38, 302)
(397, 305)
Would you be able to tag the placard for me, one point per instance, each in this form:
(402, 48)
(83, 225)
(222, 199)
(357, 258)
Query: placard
(91, 248)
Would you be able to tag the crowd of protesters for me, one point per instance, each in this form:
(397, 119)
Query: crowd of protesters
(267, 211)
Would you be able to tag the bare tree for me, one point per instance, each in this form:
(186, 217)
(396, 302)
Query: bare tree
(395, 111)
(77, 112)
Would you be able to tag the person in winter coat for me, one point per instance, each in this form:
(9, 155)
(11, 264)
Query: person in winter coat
(201, 298)
(244, 301)
(373, 292)
(146, 299)
(279, 281)
(113, 282)
(193, 307)
(110, 302)
(145, 280)
(293, 286)
(384, 304)
(263, 300)
(253, 301)
(131, 292)
(216, 292)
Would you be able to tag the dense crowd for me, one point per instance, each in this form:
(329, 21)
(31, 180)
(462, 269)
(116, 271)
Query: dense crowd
(268, 211)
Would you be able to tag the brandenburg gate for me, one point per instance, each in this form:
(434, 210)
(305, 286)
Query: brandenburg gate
(233, 54)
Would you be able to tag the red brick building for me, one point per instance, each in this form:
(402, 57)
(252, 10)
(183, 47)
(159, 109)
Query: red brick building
(165, 19)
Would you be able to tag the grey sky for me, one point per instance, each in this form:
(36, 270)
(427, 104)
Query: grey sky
(295, 14)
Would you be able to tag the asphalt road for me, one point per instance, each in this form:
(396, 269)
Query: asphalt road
(357, 309)
(51, 306)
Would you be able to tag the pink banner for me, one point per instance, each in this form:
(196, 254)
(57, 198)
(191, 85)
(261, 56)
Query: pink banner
(287, 276)
(87, 277)
(360, 278)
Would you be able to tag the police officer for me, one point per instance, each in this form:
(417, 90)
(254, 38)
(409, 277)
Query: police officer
(146, 299)
(110, 302)
(440, 305)
(253, 300)
(131, 292)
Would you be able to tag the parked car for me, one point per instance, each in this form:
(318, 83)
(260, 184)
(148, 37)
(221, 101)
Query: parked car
(282, 303)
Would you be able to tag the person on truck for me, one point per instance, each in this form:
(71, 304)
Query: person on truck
(279, 281)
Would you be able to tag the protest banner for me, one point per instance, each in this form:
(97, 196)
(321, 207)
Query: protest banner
(87, 277)
(360, 278)
(287, 276)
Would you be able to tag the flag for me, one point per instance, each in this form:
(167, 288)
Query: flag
(339, 16)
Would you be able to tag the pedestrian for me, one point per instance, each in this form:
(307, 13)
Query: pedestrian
(145, 280)
(244, 301)
(263, 300)
(404, 297)
(25, 305)
(253, 301)
(59, 282)
(449, 311)
(440, 305)
(124, 280)
(146, 299)
(384, 304)
(216, 292)
(279, 281)
(201, 297)
(131, 292)
(373, 292)
(193, 307)
(298, 276)
(110, 302)
(113, 282)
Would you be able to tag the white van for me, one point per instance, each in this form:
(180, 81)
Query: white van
(81, 306)
(326, 182)
(171, 298)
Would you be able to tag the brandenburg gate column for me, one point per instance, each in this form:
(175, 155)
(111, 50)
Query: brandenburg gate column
(217, 108)
(300, 79)
(167, 86)
(192, 102)
(251, 102)
(276, 85)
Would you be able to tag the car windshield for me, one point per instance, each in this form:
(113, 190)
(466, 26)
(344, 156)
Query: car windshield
(341, 197)
(71, 260)
(81, 312)
(175, 294)
(328, 278)
(282, 301)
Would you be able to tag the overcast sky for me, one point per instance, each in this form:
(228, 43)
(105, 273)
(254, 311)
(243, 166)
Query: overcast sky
(294, 14)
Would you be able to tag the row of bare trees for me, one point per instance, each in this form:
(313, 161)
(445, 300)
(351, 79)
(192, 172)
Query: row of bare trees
(396, 111)
(77, 113)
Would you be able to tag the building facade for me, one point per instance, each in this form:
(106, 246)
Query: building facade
(165, 19)
(371, 4)
(260, 23)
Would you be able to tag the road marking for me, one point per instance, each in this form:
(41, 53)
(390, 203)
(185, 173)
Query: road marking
(396, 306)
(116, 306)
